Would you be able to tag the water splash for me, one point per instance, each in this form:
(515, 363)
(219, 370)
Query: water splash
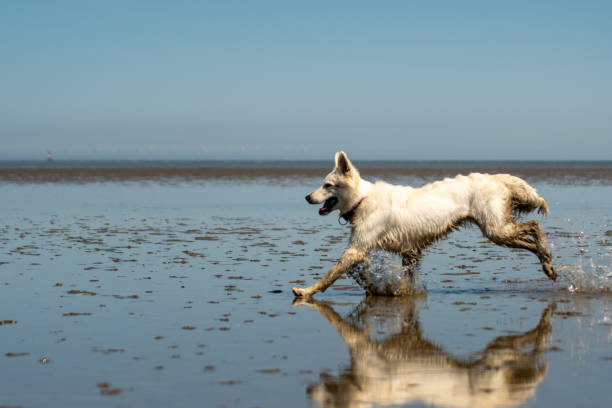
(591, 270)
(385, 275)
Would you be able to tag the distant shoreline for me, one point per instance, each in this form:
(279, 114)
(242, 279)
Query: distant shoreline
(55, 172)
(303, 164)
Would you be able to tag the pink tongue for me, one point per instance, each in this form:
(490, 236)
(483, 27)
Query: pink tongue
(326, 208)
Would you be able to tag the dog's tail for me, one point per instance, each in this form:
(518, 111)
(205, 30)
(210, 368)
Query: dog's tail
(524, 198)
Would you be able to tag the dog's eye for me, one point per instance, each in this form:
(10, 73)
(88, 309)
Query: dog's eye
(327, 185)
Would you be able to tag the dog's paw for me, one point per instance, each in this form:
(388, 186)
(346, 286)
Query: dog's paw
(301, 292)
(550, 272)
(553, 274)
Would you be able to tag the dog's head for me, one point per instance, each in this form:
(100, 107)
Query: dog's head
(340, 188)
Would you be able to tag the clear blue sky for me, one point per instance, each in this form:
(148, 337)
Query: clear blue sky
(289, 79)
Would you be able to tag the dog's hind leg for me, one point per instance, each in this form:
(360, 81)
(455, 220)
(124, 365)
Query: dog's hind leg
(527, 235)
(532, 228)
(349, 259)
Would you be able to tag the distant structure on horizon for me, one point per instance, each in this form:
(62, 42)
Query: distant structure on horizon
(49, 157)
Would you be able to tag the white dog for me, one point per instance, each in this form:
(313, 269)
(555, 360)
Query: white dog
(405, 220)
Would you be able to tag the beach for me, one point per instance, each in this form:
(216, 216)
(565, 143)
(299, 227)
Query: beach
(171, 286)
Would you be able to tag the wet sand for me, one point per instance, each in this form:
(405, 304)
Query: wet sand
(564, 175)
(170, 288)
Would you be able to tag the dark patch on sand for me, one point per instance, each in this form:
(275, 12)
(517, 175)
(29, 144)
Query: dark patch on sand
(16, 354)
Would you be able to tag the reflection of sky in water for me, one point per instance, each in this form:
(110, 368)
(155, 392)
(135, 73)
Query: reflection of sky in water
(210, 254)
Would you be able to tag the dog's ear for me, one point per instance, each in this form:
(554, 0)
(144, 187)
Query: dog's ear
(342, 162)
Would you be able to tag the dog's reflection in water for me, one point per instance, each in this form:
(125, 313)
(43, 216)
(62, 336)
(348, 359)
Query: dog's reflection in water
(405, 367)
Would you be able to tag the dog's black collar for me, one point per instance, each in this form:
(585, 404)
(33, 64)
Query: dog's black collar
(348, 216)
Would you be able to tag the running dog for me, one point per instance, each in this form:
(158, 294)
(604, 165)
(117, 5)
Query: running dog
(405, 220)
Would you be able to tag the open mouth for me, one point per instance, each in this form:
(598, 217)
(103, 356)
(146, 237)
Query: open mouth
(328, 206)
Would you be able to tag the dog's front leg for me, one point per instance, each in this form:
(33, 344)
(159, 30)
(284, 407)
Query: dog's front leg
(349, 259)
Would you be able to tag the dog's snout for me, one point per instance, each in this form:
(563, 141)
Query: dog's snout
(309, 198)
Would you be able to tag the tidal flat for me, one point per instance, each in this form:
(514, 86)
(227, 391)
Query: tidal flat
(133, 288)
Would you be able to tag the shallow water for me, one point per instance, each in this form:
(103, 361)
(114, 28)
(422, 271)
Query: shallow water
(176, 292)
